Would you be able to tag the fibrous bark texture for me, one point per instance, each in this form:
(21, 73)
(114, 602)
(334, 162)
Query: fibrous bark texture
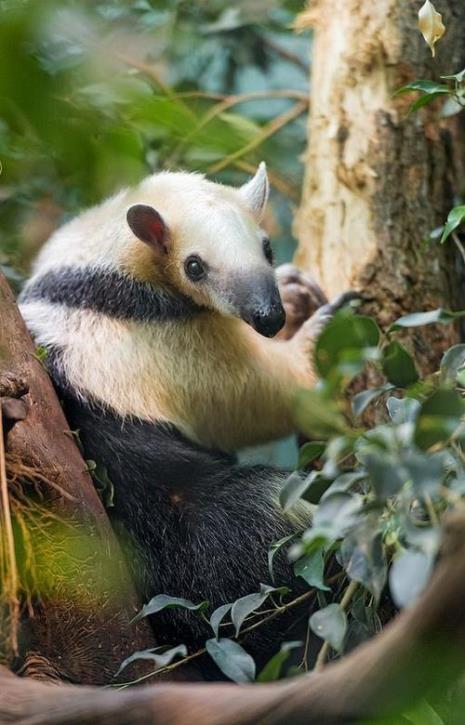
(77, 625)
(378, 180)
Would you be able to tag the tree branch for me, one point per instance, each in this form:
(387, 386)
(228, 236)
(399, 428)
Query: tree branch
(421, 652)
(82, 626)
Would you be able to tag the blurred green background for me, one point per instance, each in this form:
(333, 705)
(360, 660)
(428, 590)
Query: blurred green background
(96, 94)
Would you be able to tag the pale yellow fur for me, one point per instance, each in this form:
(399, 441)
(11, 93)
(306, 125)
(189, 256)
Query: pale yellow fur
(212, 375)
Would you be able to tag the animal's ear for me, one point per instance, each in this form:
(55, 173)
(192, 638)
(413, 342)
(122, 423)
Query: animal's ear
(148, 226)
(255, 192)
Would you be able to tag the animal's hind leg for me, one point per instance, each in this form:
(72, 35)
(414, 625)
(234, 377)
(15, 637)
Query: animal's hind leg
(301, 296)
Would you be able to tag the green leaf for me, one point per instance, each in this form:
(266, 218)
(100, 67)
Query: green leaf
(246, 605)
(163, 601)
(317, 416)
(451, 107)
(245, 127)
(363, 558)
(330, 624)
(417, 319)
(424, 87)
(423, 714)
(439, 417)
(455, 218)
(424, 101)
(362, 400)
(452, 362)
(232, 659)
(402, 410)
(398, 366)
(274, 549)
(461, 378)
(41, 353)
(425, 471)
(386, 476)
(165, 113)
(338, 513)
(311, 568)
(408, 577)
(294, 487)
(343, 483)
(217, 617)
(343, 341)
(272, 670)
(310, 452)
(313, 539)
(161, 659)
(104, 485)
(317, 488)
(459, 77)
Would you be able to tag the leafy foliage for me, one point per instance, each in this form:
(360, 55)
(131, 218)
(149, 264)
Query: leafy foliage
(95, 95)
(381, 492)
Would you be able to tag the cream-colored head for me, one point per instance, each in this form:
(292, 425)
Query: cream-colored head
(183, 232)
(204, 240)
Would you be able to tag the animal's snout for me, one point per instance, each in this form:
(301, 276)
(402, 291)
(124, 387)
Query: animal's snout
(268, 322)
(258, 302)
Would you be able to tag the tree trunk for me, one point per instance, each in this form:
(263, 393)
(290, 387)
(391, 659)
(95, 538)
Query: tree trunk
(80, 593)
(379, 180)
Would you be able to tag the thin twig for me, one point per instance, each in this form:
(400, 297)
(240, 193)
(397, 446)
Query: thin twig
(304, 660)
(459, 245)
(280, 610)
(146, 69)
(345, 601)
(266, 132)
(276, 613)
(229, 102)
(431, 510)
(161, 670)
(11, 580)
(286, 54)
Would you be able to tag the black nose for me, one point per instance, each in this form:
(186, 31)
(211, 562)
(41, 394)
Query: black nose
(269, 322)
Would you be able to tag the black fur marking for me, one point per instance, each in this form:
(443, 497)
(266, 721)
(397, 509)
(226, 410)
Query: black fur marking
(194, 523)
(109, 292)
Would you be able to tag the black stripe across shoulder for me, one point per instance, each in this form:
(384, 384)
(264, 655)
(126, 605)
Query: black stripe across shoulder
(110, 292)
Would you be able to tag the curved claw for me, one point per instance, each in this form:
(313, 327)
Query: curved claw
(301, 296)
(341, 301)
(324, 314)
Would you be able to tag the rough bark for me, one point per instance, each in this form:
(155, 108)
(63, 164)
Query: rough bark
(379, 180)
(81, 627)
(421, 653)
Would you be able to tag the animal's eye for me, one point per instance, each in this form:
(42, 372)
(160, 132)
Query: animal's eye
(195, 268)
(267, 251)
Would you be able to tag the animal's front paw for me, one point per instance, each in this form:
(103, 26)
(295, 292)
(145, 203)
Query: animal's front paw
(314, 326)
(301, 296)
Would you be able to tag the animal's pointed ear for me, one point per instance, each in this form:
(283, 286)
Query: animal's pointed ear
(255, 192)
(148, 226)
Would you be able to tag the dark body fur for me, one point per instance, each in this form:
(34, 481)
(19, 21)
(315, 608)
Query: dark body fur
(193, 522)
